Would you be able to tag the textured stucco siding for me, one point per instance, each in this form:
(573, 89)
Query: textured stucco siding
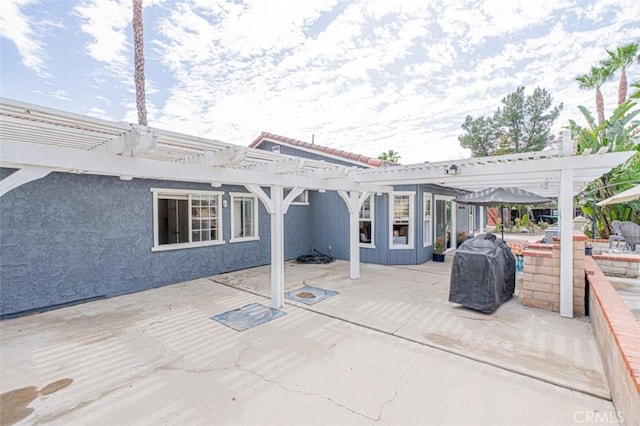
(70, 237)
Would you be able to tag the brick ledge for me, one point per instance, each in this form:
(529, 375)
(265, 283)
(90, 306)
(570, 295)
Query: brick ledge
(624, 327)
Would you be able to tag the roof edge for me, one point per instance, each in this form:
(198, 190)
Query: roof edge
(322, 150)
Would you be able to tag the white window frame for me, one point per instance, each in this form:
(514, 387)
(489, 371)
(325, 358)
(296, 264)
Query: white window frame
(158, 193)
(233, 196)
(454, 207)
(427, 197)
(411, 221)
(372, 202)
(300, 200)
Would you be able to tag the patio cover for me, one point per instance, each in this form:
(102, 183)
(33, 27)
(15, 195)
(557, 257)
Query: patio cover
(622, 197)
(39, 140)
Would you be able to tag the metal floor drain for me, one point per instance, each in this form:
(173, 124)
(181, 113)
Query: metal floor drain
(309, 294)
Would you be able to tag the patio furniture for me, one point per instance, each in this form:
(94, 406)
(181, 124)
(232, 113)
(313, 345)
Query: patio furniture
(549, 218)
(483, 274)
(616, 236)
(549, 234)
(631, 233)
(500, 197)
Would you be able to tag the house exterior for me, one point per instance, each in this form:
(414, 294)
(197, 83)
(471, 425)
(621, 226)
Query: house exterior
(395, 229)
(68, 238)
(91, 208)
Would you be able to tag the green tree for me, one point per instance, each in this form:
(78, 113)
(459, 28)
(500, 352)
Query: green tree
(596, 77)
(620, 60)
(527, 120)
(635, 95)
(481, 137)
(617, 133)
(522, 123)
(391, 156)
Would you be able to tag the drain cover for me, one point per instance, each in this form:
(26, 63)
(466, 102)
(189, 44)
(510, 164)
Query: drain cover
(306, 295)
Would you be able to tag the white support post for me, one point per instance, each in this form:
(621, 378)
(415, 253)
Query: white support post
(565, 211)
(277, 248)
(275, 207)
(482, 219)
(353, 200)
(354, 236)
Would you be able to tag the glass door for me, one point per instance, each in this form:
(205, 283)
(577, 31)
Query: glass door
(444, 223)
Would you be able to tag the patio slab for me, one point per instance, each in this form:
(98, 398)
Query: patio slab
(412, 302)
(155, 357)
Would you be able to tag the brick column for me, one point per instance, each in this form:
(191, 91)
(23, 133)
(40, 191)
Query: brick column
(541, 280)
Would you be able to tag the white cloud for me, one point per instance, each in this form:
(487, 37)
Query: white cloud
(378, 76)
(364, 76)
(19, 29)
(60, 94)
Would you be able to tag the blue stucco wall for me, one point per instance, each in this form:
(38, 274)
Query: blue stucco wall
(331, 227)
(70, 237)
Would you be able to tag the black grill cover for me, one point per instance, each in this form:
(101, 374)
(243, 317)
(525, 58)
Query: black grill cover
(483, 275)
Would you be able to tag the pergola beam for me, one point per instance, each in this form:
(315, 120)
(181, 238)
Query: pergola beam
(20, 154)
(135, 142)
(493, 170)
(226, 157)
(281, 167)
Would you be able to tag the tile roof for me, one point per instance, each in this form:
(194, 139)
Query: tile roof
(350, 156)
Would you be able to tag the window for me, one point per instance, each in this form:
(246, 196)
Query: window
(300, 200)
(427, 225)
(401, 214)
(244, 217)
(183, 218)
(366, 222)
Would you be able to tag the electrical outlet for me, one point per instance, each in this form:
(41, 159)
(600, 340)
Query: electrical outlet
(329, 247)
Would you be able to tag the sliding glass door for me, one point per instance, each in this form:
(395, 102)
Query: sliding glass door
(445, 232)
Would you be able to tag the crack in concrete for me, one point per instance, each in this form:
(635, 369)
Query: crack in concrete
(432, 345)
(415, 318)
(489, 319)
(286, 389)
(400, 384)
(316, 394)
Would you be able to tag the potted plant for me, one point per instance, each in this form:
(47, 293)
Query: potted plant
(438, 251)
(462, 237)
(588, 249)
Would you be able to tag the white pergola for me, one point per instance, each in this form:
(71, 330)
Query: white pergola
(38, 140)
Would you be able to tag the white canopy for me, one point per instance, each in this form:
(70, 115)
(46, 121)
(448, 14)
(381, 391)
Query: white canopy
(622, 197)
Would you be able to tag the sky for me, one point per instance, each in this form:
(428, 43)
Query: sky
(363, 76)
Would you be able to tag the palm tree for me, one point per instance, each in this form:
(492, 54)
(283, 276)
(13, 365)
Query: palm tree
(620, 59)
(594, 80)
(391, 156)
(138, 42)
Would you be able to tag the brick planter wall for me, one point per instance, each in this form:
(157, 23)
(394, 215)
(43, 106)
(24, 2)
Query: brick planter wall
(619, 265)
(617, 334)
(541, 278)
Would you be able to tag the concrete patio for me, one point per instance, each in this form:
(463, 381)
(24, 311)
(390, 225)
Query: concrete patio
(388, 349)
